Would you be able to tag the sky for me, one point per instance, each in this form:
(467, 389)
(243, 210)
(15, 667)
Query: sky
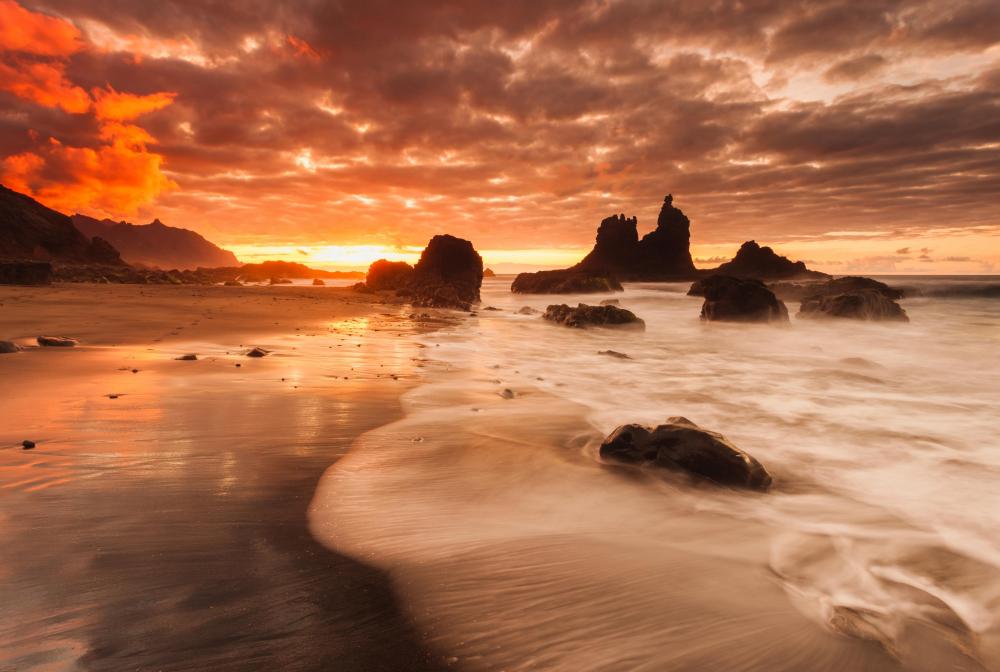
(861, 137)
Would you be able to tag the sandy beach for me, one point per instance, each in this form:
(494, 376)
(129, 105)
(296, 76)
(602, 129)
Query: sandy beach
(160, 521)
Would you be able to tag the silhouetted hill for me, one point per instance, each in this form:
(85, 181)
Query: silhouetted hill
(763, 263)
(29, 230)
(290, 269)
(156, 244)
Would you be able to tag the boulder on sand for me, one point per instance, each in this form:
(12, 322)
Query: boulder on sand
(729, 299)
(682, 445)
(7, 347)
(592, 316)
(391, 275)
(866, 304)
(448, 275)
(565, 282)
(56, 341)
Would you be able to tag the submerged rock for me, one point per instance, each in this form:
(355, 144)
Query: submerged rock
(729, 299)
(564, 282)
(233, 283)
(614, 353)
(527, 310)
(7, 347)
(866, 304)
(682, 445)
(56, 341)
(318, 283)
(190, 357)
(610, 302)
(279, 281)
(798, 291)
(592, 316)
(258, 352)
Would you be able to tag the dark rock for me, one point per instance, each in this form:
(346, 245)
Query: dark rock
(729, 299)
(7, 347)
(388, 275)
(25, 273)
(187, 358)
(448, 275)
(663, 254)
(797, 291)
(610, 302)
(564, 282)
(865, 304)
(527, 310)
(682, 445)
(56, 341)
(279, 281)
(233, 283)
(614, 353)
(596, 316)
(258, 352)
(488, 273)
(763, 263)
(507, 393)
(27, 445)
(318, 283)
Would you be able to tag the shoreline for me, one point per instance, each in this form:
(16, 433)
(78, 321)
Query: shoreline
(174, 515)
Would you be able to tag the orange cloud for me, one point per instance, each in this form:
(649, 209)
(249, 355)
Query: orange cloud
(35, 33)
(302, 48)
(45, 84)
(114, 178)
(114, 106)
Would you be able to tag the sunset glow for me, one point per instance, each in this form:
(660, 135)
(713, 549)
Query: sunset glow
(272, 132)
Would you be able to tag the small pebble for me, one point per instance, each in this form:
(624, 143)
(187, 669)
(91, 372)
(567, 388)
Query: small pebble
(27, 445)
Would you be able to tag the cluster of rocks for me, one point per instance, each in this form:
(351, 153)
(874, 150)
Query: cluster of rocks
(729, 298)
(592, 316)
(449, 274)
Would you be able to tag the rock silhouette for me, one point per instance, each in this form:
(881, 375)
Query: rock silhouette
(449, 274)
(797, 291)
(763, 263)
(564, 282)
(865, 304)
(384, 274)
(156, 244)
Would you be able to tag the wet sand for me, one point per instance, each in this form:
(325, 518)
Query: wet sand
(165, 529)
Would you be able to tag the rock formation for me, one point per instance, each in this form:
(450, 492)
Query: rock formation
(448, 274)
(564, 282)
(661, 255)
(729, 299)
(592, 316)
(29, 230)
(157, 245)
(682, 445)
(797, 291)
(864, 304)
(763, 263)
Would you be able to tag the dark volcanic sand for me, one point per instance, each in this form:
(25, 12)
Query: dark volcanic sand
(166, 529)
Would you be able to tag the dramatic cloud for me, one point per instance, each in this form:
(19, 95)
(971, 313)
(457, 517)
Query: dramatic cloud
(519, 124)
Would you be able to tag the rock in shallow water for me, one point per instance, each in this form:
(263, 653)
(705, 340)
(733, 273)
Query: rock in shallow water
(56, 341)
(867, 304)
(682, 445)
(592, 316)
(7, 347)
(258, 352)
(729, 299)
(564, 282)
(191, 357)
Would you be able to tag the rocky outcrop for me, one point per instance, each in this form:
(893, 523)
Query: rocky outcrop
(797, 291)
(29, 230)
(157, 245)
(388, 275)
(25, 273)
(564, 282)
(865, 304)
(661, 255)
(448, 275)
(763, 263)
(729, 299)
(56, 341)
(592, 316)
(488, 273)
(318, 283)
(682, 445)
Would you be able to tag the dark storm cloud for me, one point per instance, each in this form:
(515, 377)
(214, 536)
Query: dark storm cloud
(545, 115)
